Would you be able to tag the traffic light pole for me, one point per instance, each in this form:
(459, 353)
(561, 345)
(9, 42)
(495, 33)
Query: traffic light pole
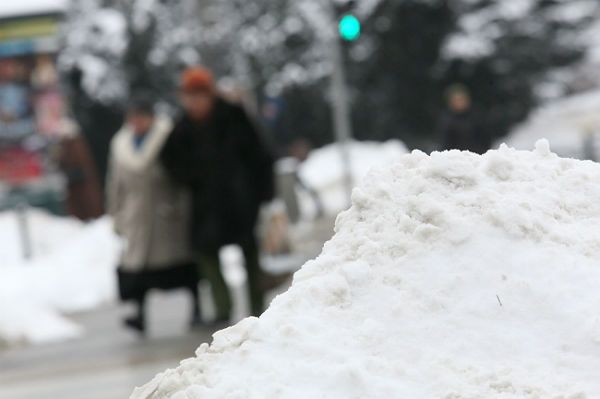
(342, 124)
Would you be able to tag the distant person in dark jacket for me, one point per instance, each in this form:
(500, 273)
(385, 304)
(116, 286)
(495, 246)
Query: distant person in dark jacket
(460, 127)
(217, 153)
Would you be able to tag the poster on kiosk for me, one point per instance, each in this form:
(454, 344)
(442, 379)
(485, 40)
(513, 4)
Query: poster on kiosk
(31, 105)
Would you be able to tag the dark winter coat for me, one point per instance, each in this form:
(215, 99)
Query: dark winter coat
(463, 131)
(228, 169)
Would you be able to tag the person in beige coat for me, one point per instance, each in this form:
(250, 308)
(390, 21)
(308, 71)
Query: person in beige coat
(150, 213)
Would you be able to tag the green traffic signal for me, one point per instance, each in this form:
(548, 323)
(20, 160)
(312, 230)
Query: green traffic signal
(349, 27)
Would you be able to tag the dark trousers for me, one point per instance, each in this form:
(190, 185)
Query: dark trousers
(134, 286)
(210, 268)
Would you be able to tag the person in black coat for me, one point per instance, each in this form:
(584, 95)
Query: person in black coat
(460, 127)
(216, 152)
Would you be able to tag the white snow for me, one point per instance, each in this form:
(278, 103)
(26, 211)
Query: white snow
(453, 276)
(72, 269)
(323, 170)
(570, 124)
(96, 43)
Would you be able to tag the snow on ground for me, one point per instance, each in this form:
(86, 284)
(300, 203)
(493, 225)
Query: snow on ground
(571, 124)
(452, 276)
(323, 170)
(46, 233)
(72, 269)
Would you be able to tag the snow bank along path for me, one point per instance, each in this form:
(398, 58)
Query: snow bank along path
(453, 276)
(72, 270)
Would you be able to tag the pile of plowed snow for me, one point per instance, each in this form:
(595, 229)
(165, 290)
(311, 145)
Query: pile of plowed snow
(452, 276)
(72, 269)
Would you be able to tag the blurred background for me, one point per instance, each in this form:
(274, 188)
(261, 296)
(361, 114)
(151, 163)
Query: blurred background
(336, 86)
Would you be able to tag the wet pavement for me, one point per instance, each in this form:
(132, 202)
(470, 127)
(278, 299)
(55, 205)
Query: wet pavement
(106, 363)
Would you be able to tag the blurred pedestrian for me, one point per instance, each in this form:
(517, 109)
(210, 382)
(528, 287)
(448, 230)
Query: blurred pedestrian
(84, 195)
(150, 212)
(460, 126)
(216, 151)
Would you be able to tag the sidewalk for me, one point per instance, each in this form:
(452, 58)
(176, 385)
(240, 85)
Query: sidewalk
(108, 362)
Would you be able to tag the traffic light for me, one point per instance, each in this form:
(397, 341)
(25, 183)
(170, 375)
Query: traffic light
(349, 27)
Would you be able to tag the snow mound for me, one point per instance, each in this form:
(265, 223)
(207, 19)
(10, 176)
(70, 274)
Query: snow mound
(323, 170)
(47, 234)
(453, 276)
(72, 270)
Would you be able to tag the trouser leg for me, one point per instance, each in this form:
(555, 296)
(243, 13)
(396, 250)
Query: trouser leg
(140, 303)
(210, 268)
(253, 270)
(138, 321)
(195, 294)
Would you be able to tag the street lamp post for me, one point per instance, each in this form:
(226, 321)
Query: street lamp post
(342, 125)
(349, 29)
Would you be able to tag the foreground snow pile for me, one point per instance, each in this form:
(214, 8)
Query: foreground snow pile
(453, 276)
(323, 170)
(72, 270)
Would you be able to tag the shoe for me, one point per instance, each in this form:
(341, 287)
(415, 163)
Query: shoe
(135, 323)
(268, 281)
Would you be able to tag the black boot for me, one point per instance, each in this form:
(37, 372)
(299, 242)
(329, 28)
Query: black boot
(137, 322)
(196, 319)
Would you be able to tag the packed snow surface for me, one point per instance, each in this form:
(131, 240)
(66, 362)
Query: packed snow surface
(453, 276)
(72, 269)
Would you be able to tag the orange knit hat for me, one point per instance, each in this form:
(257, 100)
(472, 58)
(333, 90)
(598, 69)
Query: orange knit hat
(197, 78)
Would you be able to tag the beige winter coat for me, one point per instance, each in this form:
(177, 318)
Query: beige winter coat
(150, 212)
